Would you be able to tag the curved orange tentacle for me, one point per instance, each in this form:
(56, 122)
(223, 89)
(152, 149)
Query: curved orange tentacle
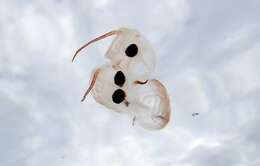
(91, 84)
(115, 32)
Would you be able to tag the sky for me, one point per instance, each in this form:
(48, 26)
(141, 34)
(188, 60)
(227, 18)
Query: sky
(208, 57)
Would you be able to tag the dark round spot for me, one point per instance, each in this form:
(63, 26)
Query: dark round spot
(118, 96)
(119, 78)
(131, 50)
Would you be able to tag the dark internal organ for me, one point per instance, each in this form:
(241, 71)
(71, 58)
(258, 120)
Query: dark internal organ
(118, 96)
(119, 78)
(131, 50)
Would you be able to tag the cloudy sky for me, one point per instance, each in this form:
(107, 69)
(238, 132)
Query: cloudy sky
(208, 57)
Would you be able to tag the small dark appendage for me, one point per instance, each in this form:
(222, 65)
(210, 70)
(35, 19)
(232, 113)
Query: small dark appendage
(133, 123)
(127, 103)
(195, 114)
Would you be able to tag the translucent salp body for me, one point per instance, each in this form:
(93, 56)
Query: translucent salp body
(124, 85)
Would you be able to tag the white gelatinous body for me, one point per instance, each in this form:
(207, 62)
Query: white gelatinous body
(140, 66)
(125, 86)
